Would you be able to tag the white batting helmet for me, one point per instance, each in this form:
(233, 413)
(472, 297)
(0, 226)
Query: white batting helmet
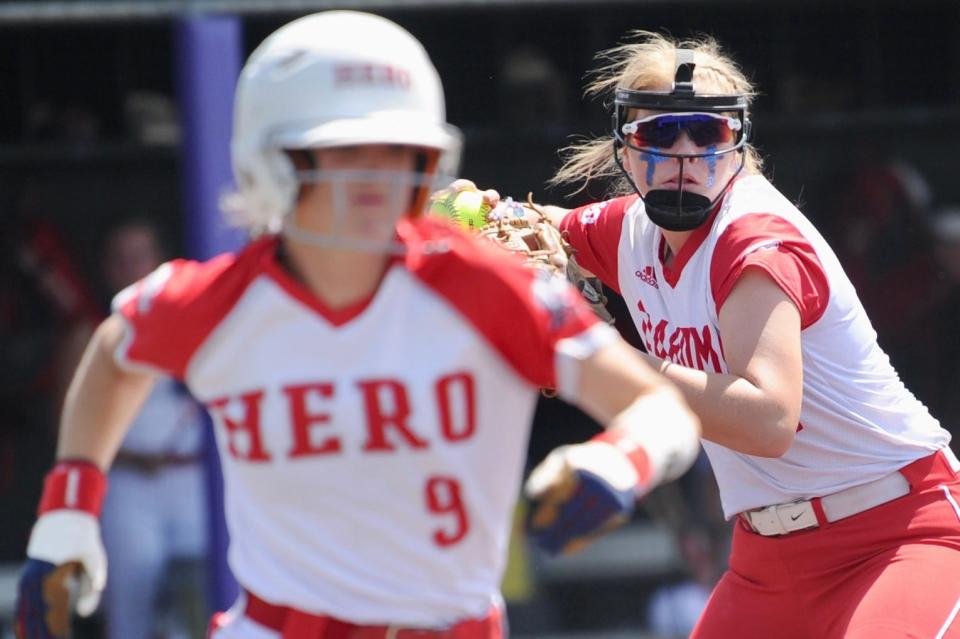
(336, 78)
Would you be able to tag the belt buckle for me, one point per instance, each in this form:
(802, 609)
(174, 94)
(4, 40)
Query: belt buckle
(765, 519)
(782, 519)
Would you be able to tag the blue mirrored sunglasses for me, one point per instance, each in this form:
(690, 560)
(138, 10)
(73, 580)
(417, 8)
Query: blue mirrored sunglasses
(663, 129)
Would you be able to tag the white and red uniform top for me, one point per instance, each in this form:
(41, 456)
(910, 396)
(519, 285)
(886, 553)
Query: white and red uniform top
(372, 456)
(857, 421)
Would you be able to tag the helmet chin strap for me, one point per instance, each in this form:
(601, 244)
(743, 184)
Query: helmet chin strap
(292, 231)
(390, 248)
(676, 209)
(336, 237)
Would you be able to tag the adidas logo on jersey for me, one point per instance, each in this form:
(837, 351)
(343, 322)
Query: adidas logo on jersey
(649, 276)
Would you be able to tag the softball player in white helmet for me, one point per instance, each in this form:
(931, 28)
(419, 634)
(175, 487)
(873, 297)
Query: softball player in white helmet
(308, 87)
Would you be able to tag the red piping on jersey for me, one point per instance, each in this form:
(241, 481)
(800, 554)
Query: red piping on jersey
(296, 289)
(170, 323)
(671, 274)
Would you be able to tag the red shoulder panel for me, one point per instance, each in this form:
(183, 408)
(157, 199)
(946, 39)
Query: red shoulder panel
(172, 311)
(520, 311)
(773, 244)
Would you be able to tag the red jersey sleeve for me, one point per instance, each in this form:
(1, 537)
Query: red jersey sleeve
(594, 233)
(774, 245)
(521, 312)
(173, 310)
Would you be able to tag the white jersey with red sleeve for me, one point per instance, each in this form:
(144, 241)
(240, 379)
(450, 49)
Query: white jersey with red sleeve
(371, 455)
(857, 422)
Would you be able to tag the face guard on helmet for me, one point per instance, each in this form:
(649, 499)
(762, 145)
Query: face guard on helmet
(335, 79)
(709, 120)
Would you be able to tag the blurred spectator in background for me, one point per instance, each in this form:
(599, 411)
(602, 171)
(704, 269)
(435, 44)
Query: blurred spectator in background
(673, 609)
(151, 119)
(691, 509)
(533, 92)
(878, 222)
(939, 347)
(154, 517)
(70, 124)
(41, 296)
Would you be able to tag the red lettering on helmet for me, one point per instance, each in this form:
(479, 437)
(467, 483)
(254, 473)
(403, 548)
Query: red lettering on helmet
(371, 74)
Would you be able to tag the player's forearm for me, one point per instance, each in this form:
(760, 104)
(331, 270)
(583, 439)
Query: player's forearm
(734, 412)
(102, 400)
(555, 214)
(613, 379)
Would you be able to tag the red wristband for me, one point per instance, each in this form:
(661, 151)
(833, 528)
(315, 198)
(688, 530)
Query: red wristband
(621, 440)
(77, 485)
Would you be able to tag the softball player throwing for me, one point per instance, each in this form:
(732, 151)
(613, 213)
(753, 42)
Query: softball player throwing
(843, 487)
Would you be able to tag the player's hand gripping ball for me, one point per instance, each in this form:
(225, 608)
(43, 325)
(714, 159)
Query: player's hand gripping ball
(466, 208)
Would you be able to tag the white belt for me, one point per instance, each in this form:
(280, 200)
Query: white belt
(781, 519)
